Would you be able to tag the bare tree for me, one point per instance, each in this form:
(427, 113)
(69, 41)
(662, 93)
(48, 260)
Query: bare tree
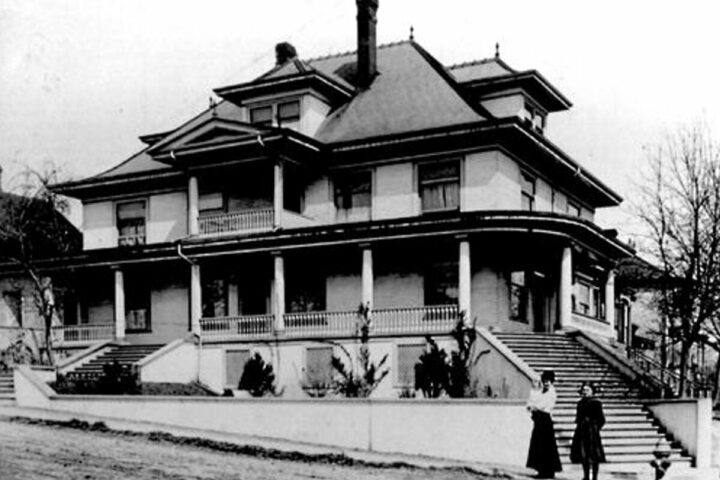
(680, 205)
(33, 229)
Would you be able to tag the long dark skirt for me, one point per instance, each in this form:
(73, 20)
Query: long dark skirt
(587, 445)
(543, 454)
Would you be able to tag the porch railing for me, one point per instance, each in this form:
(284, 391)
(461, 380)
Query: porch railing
(320, 324)
(79, 334)
(431, 319)
(256, 220)
(667, 378)
(227, 328)
(393, 321)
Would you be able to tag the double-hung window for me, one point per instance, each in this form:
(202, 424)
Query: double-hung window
(131, 223)
(527, 183)
(587, 299)
(283, 114)
(439, 185)
(353, 191)
(288, 112)
(262, 115)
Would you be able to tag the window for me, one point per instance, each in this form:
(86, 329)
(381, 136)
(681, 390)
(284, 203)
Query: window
(518, 296)
(261, 115)
(137, 303)
(573, 209)
(439, 185)
(587, 299)
(131, 223)
(235, 361)
(211, 202)
(13, 302)
(318, 368)
(353, 191)
(288, 112)
(214, 297)
(407, 357)
(441, 283)
(527, 184)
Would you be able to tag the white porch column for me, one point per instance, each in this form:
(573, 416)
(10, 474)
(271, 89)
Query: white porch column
(119, 305)
(464, 280)
(367, 276)
(193, 211)
(278, 199)
(610, 301)
(565, 294)
(195, 298)
(279, 291)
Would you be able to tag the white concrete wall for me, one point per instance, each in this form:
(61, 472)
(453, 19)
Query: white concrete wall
(543, 196)
(177, 362)
(690, 422)
(492, 182)
(506, 106)
(319, 201)
(99, 225)
(167, 219)
(344, 292)
(394, 192)
(169, 313)
(399, 290)
(493, 431)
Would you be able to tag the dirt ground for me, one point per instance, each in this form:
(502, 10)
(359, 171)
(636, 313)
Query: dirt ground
(31, 452)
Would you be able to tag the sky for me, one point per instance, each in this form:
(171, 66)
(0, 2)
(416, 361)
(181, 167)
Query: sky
(80, 80)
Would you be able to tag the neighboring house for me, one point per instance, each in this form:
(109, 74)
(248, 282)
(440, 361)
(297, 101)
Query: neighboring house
(378, 177)
(19, 314)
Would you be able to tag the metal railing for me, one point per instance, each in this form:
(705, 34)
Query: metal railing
(79, 334)
(246, 326)
(438, 319)
(248, 221)
(667, 379)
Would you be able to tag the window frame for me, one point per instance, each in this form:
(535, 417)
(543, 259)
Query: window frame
(424, 183)
(136, 239)
(523, 297)
(270, 122)
(344, 188)
(278, 106)
(525, 180)
(595, 305)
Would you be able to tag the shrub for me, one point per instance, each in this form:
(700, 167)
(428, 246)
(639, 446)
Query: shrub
(116, 379)
(361, 381)
(431, 371)
(258, 377)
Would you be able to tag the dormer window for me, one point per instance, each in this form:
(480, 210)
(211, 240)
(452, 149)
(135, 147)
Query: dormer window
(534, 117)
(283, 114)
(261, 115)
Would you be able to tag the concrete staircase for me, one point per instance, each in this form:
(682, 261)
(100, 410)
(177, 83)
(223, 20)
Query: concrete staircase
(7, 388)
(630, 435)
(125, 355)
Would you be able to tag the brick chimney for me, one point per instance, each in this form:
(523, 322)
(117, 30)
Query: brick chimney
(367, 42)
(283, 52)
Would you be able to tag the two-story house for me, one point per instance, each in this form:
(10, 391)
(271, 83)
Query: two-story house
(379, 177)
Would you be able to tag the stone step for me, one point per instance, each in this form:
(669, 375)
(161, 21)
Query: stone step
(609, 417)
(625, 449)
(568, 430)
(641, 458)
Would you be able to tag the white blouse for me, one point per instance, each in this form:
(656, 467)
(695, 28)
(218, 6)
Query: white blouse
(543, 401)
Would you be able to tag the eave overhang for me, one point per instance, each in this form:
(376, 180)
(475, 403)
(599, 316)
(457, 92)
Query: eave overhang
(532, 82)
(568, 230)
(508, 135)
(313, 80)
(91, 188)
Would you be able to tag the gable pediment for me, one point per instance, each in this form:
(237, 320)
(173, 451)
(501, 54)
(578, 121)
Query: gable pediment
(214, 131)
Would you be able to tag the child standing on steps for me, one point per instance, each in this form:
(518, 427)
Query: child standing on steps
(587, 447)
(543, 454)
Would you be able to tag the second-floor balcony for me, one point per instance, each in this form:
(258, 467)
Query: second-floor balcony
(247, 221)
(438, 319)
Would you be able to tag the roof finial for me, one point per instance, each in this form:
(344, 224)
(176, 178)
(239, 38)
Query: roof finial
(497, 49)
(212, 105)
(412, 33)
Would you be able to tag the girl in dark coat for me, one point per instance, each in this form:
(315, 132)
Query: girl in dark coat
(543, 454)
(587, 445)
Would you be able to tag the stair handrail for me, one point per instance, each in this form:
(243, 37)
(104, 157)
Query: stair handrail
(646, 382)
(61, 367)
(652, 367)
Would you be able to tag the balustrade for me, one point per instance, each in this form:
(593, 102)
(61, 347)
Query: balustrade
(248, 221)
(64, 335)
(227, 328)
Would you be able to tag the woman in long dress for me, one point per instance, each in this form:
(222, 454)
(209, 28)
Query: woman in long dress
(587, 447)
(543, 453)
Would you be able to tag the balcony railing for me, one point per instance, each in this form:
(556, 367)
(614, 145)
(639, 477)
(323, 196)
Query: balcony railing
(438, 319)
(131, 240)
(228, 328)
(669, 379)
(246, 221)
(66, 335)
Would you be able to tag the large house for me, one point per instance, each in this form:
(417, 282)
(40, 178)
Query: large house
(379, 177)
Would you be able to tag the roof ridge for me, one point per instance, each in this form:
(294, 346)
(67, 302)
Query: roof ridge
(351, 52)
(470, 63)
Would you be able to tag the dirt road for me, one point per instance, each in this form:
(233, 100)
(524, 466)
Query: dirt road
(31, 452)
